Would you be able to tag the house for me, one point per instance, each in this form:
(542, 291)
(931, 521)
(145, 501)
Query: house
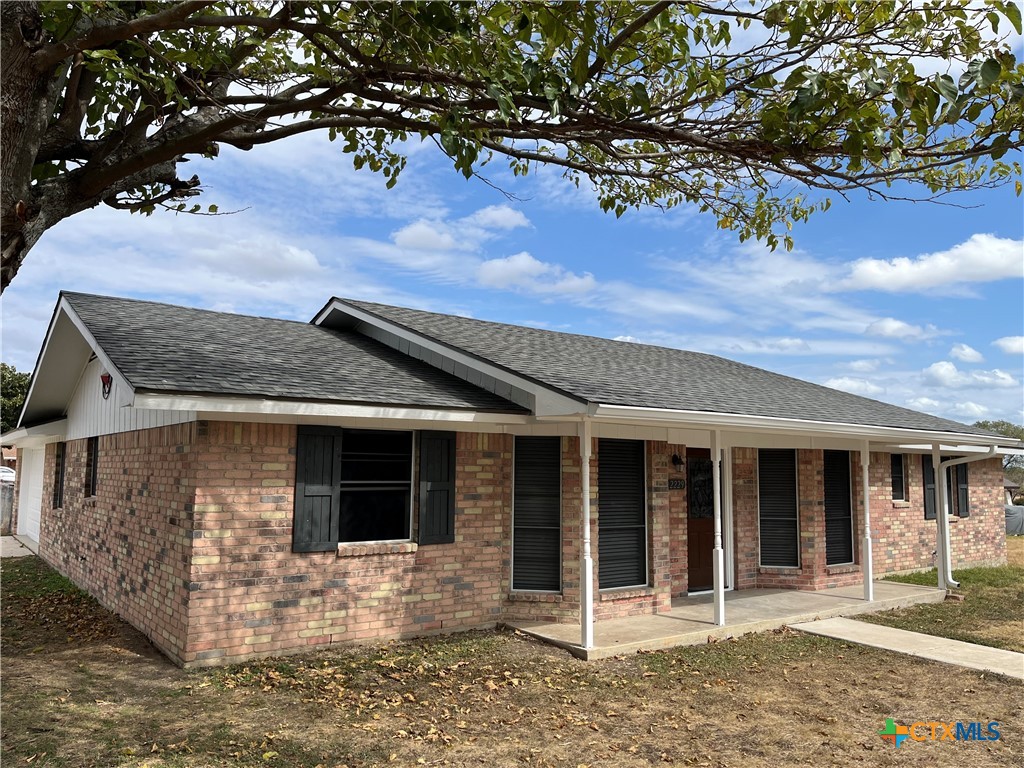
(1012, 488)
(241, 486)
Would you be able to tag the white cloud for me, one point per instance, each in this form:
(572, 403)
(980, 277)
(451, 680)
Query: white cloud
(631, 339)
(926, 404)
(425, 235)
(864, 366)
(945, 374)
(965, 354)
(854, 386)
(523, 271)
(497, 217)
(970, 411)
(1011, 345)
(891, 328)
(981, 258)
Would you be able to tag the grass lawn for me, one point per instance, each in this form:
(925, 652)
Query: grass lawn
(82, 689)
(991, 613)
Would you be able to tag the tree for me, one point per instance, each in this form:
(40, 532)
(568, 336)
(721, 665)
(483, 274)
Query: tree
(754, 112)
(13, 390)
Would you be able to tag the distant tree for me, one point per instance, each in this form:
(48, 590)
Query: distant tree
(13, 389)
(751, 111)
(1012, 465)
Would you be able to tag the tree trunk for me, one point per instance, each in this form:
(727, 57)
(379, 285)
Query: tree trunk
(26, 105)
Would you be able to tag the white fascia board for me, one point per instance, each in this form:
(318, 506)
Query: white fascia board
(39, 435)
(548, 401)
(732, 422)
(946, 447)
(298, 408)
(125, 389)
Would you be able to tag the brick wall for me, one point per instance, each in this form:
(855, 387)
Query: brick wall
(251, 595)
(902, 540)
(129, 545)
(189, 538)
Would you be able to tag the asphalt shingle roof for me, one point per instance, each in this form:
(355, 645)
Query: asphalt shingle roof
(625, 373)
(164, 348)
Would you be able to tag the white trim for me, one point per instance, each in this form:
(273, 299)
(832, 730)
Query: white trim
(547, 400)
(40, 434)
(252, 405)
(125, 387)
(726, 421)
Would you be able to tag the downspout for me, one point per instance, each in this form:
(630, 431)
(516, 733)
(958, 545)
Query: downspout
(941, 545)
(944, 466)
(718, 557)
(866, 557)
(586, 559)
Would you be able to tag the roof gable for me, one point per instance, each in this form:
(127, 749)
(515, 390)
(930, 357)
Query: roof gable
(164, 348)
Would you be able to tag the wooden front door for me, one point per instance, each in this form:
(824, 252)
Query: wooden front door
(700, 526)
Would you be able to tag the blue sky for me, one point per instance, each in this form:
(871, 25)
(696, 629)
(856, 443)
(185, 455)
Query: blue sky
(921, 305)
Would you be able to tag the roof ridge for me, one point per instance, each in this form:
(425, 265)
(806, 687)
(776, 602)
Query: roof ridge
(70, 295)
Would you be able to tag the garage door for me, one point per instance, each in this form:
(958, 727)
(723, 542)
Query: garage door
(30, 497)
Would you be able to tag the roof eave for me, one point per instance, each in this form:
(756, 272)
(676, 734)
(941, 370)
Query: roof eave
(768, 424)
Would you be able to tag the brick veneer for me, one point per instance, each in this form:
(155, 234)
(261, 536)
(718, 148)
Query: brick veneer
(251, 595)
(189, 538)
(130, 544)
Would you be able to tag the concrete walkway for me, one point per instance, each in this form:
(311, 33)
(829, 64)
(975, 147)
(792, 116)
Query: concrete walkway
(11, 547)
(941, 649)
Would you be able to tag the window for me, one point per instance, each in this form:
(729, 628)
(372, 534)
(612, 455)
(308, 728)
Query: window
(838, 509)
(537, 514)
(355, 485)
(899, 477)
(622, 515)
(92, 460)
(778, 520)
(59, 463)
(958, 501)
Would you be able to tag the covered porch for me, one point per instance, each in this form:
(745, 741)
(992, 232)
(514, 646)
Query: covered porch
(691, 620)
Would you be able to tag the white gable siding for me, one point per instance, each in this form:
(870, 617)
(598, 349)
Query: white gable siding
(89, 414)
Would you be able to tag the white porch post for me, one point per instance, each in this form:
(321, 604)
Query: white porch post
(940, 515)
(718, 560)
(586, 560)
(866, 563)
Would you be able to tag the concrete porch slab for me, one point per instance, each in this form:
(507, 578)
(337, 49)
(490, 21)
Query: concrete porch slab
(691, 620)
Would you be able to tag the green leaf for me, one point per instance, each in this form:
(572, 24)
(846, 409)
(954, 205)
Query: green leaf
(1012, 11)
(989, 72)
(947, 87)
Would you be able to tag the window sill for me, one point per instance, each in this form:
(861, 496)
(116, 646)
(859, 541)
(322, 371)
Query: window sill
(535, 597)
(780, 570)
(896, 504)
(363, 550)
(837, 570)
(626, 593)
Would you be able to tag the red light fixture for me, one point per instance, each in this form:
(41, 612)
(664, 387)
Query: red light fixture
(107, 381)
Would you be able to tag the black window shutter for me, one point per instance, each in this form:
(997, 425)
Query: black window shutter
(317, 492)
(621, 519)
(838, 512)
(962, 508)
(777, 508)
(437, 488)
(929, 487)
(537, 514)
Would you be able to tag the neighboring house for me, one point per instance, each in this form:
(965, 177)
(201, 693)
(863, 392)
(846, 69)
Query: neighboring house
(1012, 488)
(10, 456)
(239, 486)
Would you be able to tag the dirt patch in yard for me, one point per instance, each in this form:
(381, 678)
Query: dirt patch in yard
(1015, 551)
(486, 698)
